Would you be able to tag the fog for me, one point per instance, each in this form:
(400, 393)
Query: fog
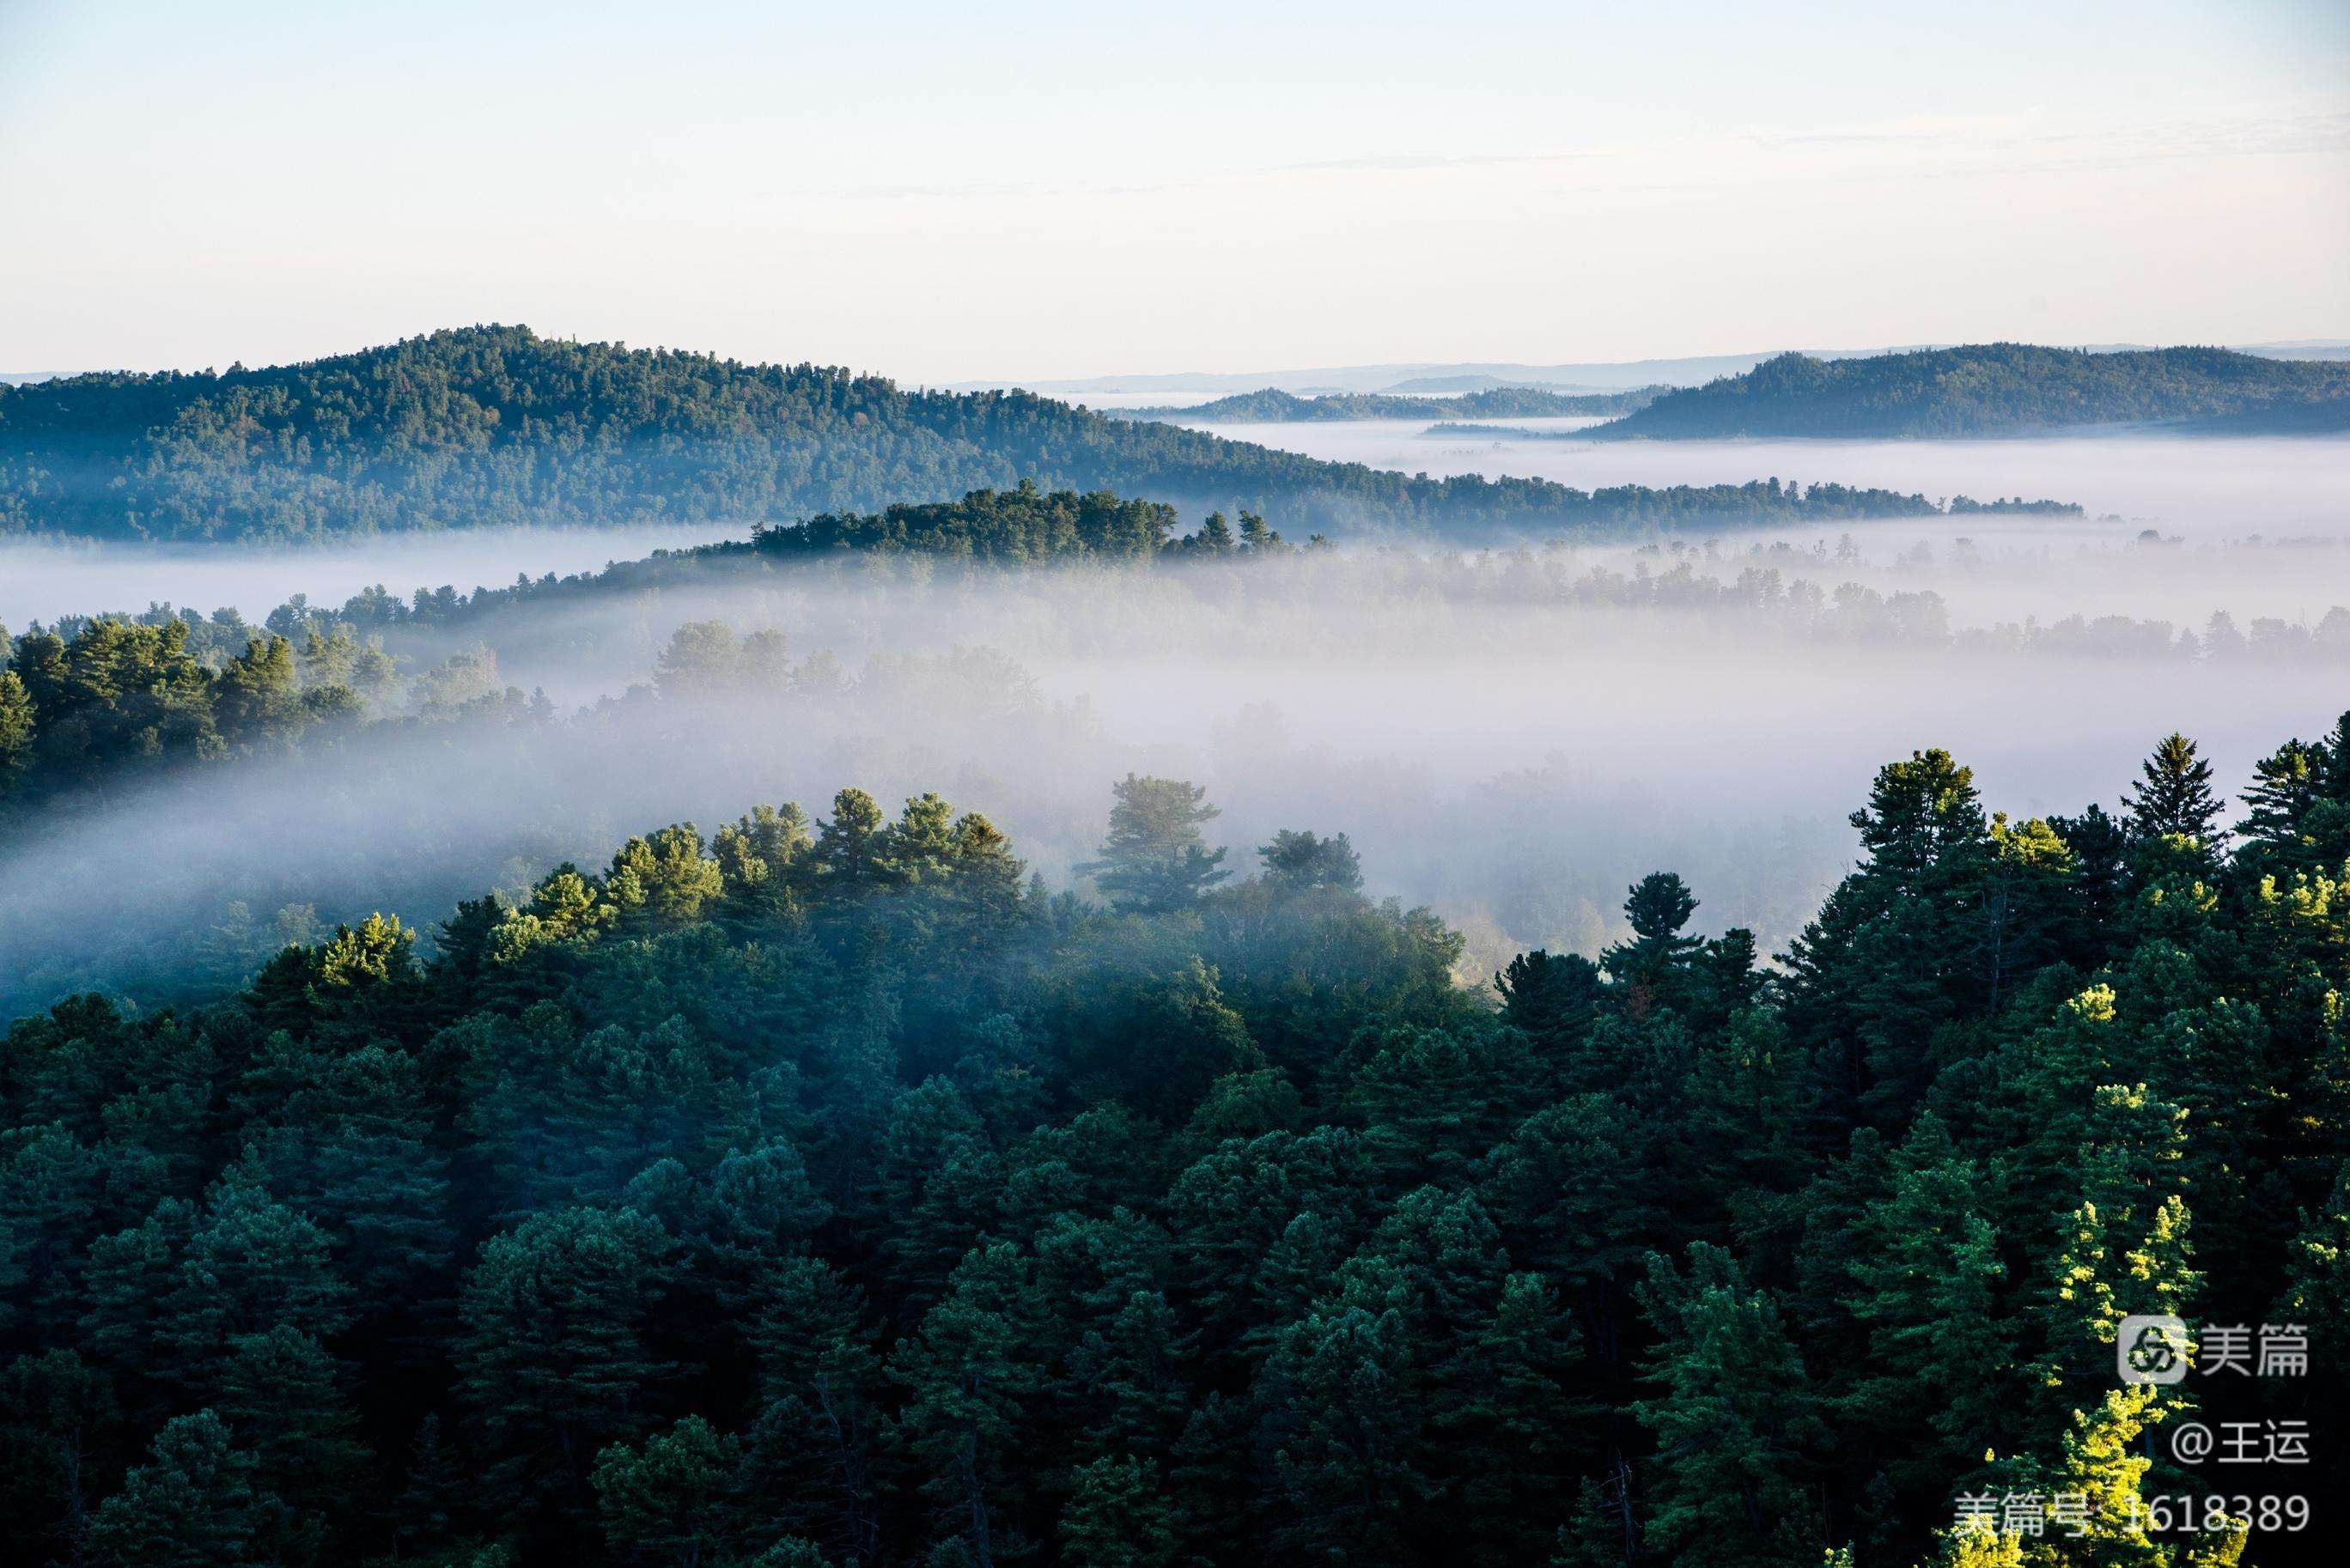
(1511, 738)
(2213, 486)
(41, 579)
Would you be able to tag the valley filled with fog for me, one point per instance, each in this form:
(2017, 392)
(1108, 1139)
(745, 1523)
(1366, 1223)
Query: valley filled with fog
(41, 580)
(2222, 486)
(1510, 737)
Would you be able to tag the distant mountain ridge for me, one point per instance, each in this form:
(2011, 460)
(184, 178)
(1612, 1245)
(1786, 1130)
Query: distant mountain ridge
(1274, 406)
(489, 426)
(2001, 388)
(1596, 375)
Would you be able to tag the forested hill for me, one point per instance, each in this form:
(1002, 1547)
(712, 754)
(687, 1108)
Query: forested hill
(2003, 389)
(496, 425)
(1273, 406)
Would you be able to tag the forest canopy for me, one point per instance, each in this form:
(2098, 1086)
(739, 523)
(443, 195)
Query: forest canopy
(2003, 388)
(832, 1192)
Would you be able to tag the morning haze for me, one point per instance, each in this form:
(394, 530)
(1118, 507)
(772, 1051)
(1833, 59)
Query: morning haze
(713, 855)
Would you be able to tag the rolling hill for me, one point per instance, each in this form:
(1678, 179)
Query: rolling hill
(2003, 389)
(496, 425)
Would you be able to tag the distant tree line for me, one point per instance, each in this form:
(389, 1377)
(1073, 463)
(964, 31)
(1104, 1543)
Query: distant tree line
(1274, 406)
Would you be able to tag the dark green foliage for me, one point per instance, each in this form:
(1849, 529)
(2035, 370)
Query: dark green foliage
(1733, 1418)
(1551, 996)
(1011, 527)
(123, 698)
(2001, 388)
(1653, 966)
(18, 723)
(818, 1194)
(2173, 796)
(555, 1354)
(1887, 963)
(192, 1505)
(1154, 860)
(667, 1502)
(1301, 861)
(1118, 1517)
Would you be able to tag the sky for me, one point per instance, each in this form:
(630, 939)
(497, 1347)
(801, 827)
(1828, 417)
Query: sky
(1038, 191)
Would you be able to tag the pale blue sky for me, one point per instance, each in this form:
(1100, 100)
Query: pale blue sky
(1045, 190)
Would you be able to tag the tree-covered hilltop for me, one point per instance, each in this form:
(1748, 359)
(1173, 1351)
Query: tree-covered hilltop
(1274, 406)
(833, 1193)
(2003, 388)
(496, 425)
(1021, 527)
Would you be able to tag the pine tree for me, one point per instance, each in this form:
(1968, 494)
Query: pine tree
(51, 1185)
(763, 860)
(353, 1149)
(1650, 967)
(252, 1266)
(280, 1393)
(665, 877)
(1574, 1198)
(192, 1505)
(2173, 796)
(1431, 1102)
(821, 1376)
(1742, 1106)
(970, 1374)
(1176, 1038)
(1890, 958)
(2285, 785)
(2020, 906)
(852, 848)
(986, 877)
(1733, 1418)
(423, 1514)
(2317, 1295)
(1299, 862)
(59, 1425)
(18, 728)
(1512, 1420)
(1599, 1535)
(1214, 537)
(1552, 997)
(669, 1502)
(1134, 1370)
(920, 844)
(2123, 1248)
(553, 1355)
(1942, 1368)
(938, 1182)
(1117, 1517)
(1154, 860)
(258, 697)
(1344, 1399)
